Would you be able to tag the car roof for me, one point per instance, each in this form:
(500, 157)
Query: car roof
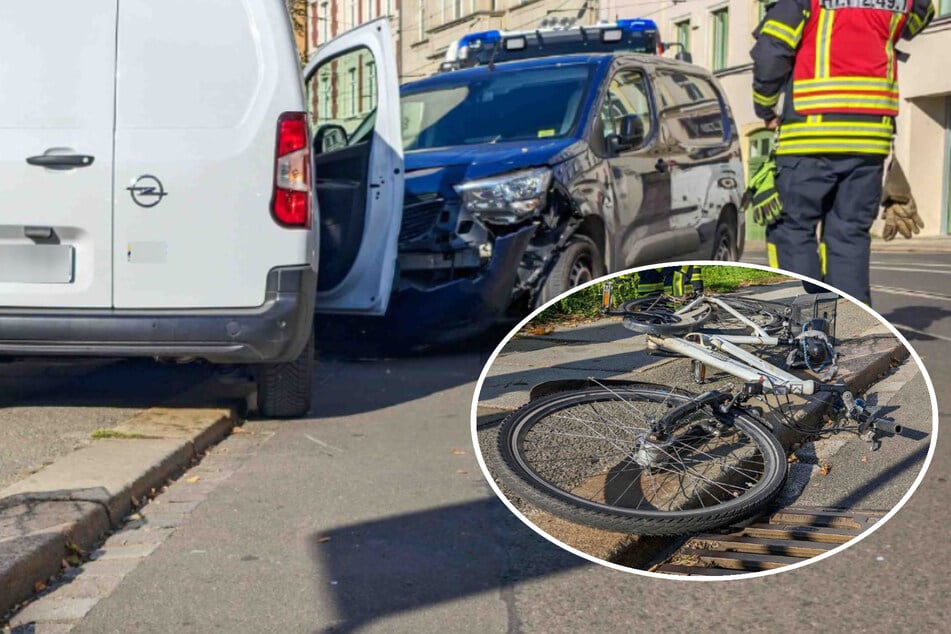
(465, 75)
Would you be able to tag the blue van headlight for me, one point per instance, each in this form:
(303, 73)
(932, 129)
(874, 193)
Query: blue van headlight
(507, 198)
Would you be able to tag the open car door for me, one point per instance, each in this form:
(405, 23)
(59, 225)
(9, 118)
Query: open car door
(354, 102)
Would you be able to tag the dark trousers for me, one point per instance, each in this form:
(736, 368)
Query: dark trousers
(844, 194)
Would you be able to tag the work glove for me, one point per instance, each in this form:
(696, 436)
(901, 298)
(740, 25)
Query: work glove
(901, 218)
(762, 197)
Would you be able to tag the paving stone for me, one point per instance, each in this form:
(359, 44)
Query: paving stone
(105, 568)
(142, 535)
(83, 587)
(123, 552)
(52, 609)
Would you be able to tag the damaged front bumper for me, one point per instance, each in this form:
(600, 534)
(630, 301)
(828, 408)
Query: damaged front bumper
(440, 311)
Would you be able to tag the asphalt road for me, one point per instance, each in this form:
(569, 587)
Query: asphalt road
(374, 516)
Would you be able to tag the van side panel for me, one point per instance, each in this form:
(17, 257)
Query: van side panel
(56, 98)
(200, 87)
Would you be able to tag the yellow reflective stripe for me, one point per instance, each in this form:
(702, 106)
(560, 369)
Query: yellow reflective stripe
(845, 101)
(763, 100)
(771, 255)
(845, 83)
(786, 149)
(783, 32)
(823, 42)
(846, 79)
(915, 23)
(890, 43)
(823, 258)
(863, 142)
(836, 126)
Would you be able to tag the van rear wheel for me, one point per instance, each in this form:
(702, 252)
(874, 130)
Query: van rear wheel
(284, 389)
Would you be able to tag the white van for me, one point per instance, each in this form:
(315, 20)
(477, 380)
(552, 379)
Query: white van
(154, 187)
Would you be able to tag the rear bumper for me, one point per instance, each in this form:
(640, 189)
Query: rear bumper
(274, 332)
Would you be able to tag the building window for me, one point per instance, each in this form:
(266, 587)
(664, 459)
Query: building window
(721, 23)
(682, 31)
(353, 90)
(353, 13)
(371, 86)
(325, 97)
(324, 18)
(368, 14)
(944, 7)
(421, 20)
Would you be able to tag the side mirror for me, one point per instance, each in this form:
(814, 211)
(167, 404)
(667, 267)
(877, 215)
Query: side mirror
(684, 56)
(630, 133)
(330, 137)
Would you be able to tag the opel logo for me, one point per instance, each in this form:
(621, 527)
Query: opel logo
(147, 191)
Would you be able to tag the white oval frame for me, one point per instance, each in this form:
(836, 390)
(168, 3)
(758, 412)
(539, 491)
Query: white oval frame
(498, 493)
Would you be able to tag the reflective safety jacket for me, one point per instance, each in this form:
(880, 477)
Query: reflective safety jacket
(835, 63)
(672, 280)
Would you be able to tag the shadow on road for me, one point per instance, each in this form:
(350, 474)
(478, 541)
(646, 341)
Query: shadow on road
(918, 318)
(408, 562)
(134, 383)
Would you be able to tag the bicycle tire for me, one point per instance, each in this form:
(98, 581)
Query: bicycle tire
(658, 315)
(562, 477)
(765, 315)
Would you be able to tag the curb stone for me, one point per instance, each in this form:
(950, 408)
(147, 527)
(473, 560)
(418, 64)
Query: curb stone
(73, 502)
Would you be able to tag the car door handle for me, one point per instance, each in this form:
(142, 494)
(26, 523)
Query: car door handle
(61, 161)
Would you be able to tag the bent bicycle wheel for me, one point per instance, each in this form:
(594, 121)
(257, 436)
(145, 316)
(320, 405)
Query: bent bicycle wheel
(589, 456)
(663, 315)
(769, 317)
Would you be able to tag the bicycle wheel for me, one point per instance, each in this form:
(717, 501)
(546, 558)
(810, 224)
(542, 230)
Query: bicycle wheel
(769, 317)
(588, 456)
(659, 315)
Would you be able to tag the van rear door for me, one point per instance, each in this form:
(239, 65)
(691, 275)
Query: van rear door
(353, 96)
(56, 123)
(201, 86)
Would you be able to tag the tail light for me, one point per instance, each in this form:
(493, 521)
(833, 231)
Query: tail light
(660, 47)
(290, 202)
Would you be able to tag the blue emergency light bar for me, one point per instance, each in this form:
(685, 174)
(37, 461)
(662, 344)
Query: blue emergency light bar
(636, 35)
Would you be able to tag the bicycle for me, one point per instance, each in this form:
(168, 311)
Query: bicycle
(656, 460)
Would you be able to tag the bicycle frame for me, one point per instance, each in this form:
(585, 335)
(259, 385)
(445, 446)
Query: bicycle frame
(717, 350)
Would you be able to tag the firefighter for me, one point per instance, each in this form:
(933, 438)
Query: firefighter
(672, 280)
(834, 63)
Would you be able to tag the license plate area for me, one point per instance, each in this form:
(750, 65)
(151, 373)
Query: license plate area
(36, 263)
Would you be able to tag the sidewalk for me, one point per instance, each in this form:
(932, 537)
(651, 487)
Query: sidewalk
(918, 244)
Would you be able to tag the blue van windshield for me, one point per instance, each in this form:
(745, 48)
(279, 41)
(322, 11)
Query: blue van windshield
(498, 106)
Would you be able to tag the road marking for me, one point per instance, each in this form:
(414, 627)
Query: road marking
(917, 264)
(921, 269)
(923, 333)
(321, 443)
(911, 293)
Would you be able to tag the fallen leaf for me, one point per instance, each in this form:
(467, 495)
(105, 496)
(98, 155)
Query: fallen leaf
(135, 502)
(323, 540)
(192, 479)
(462, 472)
(74, 560)
(792, 458)
(134, 517)
(539, 330)
(458, 452)
(239, 430)
(864, 458)
(39, 586)
(825, 469)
